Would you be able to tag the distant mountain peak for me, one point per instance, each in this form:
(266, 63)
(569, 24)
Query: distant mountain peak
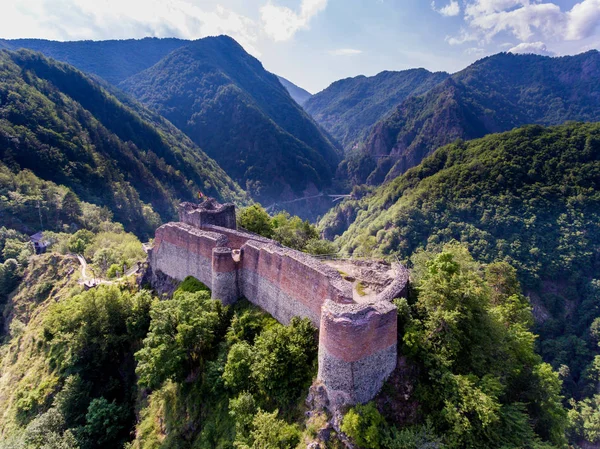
(224, 99)
(299, 95)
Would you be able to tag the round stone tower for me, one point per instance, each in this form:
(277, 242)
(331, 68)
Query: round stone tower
(357, 349)
(224, 276)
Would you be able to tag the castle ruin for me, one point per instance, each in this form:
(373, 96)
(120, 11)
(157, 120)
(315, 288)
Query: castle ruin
(357, 340)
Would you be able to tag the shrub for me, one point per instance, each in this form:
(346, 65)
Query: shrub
(363, 423)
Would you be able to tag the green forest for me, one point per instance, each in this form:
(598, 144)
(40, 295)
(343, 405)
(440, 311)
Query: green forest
(529, 198)
(241, 115)
(67, 128)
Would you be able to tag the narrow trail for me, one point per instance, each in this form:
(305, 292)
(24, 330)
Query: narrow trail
(92, 281)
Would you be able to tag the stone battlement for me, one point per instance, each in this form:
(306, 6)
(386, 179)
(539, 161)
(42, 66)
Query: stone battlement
(357, 342)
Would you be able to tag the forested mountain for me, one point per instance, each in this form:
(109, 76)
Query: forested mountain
(529, 197)
(241, 115)
(113, 60)
(348, 108)
(110, 151)
(297, 93)
(494, 94)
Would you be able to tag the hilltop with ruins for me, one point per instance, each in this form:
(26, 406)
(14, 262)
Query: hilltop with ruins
(357, 333)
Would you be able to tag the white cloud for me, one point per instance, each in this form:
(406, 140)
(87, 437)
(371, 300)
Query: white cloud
(475, 51)
(583, 19)
(522, 22)
(530, 21)
(538, 48)
(450, 10)
(119, 19)
(463, 36)
(345, 52)
(281, 23)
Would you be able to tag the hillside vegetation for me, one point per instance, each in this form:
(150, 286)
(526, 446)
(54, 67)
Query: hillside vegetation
(241, 115)
(112, 60)
(528, 197)
(497, 93)
(68, 129)
(349, 107)
(117, 367)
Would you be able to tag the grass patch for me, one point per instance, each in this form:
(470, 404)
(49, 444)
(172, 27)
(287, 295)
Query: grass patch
(360, 289)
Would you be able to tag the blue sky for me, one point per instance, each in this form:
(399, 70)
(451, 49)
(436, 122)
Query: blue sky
(315, 42)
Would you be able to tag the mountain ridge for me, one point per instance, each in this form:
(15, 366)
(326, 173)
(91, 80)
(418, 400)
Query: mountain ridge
(495, 94)
(299, 94)
(68, 129)
(211, 88)
(113, 60)
(350, 106)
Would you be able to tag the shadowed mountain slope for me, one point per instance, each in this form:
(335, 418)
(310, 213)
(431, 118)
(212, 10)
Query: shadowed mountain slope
(495, 94)
(242, 116)
(111, 151)
(299, 95)
(348, 108)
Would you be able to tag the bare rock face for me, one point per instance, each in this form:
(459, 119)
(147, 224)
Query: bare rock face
(398, 403)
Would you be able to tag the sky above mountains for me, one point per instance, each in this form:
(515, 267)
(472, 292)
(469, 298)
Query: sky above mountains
(315, 42)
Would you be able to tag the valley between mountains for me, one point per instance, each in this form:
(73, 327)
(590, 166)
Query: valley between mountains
(484, 184)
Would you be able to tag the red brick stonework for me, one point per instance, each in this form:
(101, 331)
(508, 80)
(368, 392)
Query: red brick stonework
(353, 335)
(357, 343)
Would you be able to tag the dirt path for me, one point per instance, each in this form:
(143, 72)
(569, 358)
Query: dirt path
(93, 281)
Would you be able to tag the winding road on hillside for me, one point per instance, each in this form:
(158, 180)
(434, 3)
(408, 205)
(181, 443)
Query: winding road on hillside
(334, 197)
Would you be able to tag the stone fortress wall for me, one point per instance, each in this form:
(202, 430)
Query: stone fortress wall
(357, 341)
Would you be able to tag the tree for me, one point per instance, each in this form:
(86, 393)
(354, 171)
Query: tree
(9, 277)
(71, 208)
(319, 246)
(255, 219)
(183, 333)
(268, 432)
(469, 330)
(104, 425)
(363, 423)
(236, 373)
(48, 431)
(284, 360)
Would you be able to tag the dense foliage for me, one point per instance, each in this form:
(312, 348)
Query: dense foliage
(349, 107)
(210, 375)
(73, 372)
(113, 60)
(290, 231)
(494, 94)
(66, 128)
(241, 115)
(219, 376)
(481, 384)
(528, 197)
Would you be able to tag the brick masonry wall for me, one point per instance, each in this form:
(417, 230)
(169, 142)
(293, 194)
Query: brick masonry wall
(209, 213)
(225, 282)
(288, 283)
(180, 250)
(357, 342)
(357, 349)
